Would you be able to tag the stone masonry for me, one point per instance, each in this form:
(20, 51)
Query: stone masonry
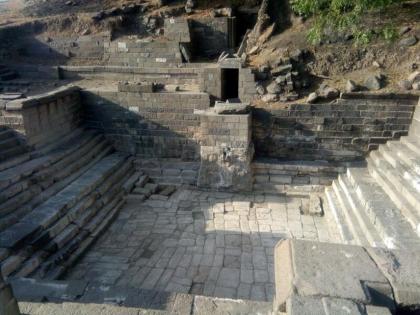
(226, 151)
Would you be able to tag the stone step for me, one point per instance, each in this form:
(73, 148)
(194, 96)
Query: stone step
(388, 220)
(8, 143)
(12, 152)
(48, 252)
(6, 134)
(47, 149)
(398, 153)
(86, 298)
(51, 210)
(351, 220)
(339, 216)
(53, 178)
(41, 197)
(366, 231)
(9, 75)
(401, 193)
(88, 221)
(11, 175)
(413, 143)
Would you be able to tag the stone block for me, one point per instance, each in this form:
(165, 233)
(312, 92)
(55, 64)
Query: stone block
(298, 305)
(401, 268)
(328, 270)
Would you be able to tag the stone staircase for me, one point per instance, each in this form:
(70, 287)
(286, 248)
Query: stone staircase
(11, 144)
(6, 74)
(293, 177)
(55, 202)
(380, 205)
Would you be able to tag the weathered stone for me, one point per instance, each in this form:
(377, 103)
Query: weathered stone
(270, 98)
(329, 92)
(274, 88)
(260, 89)
(312, 270)
(374, 82)
(408, 41)
(351, 86)
(298, 305)
(414, 77)
(282, 70)
(405, 85)
(312, 98)
(231, 109)
(400, 268)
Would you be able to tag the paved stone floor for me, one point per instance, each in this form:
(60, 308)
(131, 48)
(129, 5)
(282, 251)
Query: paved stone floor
(207, 243)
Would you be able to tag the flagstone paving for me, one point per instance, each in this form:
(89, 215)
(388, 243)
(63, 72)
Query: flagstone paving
(198, 242)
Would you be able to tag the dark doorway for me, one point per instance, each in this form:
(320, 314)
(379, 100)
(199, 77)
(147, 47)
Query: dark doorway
(230, 84)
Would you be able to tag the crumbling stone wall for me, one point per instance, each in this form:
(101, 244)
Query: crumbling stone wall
(45, 118)
(147, 124)
(346, 130)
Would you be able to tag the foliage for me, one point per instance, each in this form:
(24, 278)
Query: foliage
(342, 16)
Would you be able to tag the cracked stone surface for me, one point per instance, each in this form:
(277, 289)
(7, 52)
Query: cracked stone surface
(199, 242)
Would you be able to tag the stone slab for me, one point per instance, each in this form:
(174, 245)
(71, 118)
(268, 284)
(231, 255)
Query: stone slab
(402, 270)
(328, 270)
(298, 305)
(215, 306)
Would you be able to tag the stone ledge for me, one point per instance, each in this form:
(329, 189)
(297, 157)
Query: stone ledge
(37, 100)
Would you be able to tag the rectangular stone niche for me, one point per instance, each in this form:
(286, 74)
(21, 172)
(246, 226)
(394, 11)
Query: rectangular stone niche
(226, 151)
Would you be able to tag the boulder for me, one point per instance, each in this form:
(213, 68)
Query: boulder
(312, 98)
(222, 12)
(414, 77)
(329, 92)
(351, 86)
(274, 88)
(269, 98)
(260, 89)
(405, 85)
(374, 82)
(404, 30)
(416, 86)
(408, 41)
(281, 70)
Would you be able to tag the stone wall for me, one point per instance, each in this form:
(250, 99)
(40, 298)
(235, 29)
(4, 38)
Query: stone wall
(163, 75)
(147, 124)
(211, 77)
(178, 30)
(226, 151)
(212, 36)
(45, 118)
(142, 54)
(345, 130)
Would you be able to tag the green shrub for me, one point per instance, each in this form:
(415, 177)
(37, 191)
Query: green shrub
(342, 16)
